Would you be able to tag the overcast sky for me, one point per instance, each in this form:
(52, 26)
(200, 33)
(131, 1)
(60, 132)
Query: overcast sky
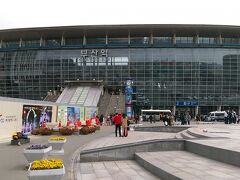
(44, 13)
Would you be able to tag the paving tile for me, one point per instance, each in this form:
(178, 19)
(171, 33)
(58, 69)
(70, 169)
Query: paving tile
(147, 175)
(105, 178)
(121, 176)
(98, 165)
(89, 177)
(130, 172)
(102, 173)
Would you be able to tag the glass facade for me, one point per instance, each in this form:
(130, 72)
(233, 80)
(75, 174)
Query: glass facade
(161, 76)
(167, 70)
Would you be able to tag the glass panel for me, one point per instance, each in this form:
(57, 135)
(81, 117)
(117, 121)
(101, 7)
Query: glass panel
(162, 40)
(52, 42)
(96, 41)
(117, 41)
(11, 44)
(231, 40)
(184, 40)
(73, 41)
(207, 40)
(139, 40)
(31, 43)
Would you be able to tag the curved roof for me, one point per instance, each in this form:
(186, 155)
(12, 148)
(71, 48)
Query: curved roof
(120, 31)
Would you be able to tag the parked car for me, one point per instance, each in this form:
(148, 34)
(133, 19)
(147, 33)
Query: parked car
(216, 116)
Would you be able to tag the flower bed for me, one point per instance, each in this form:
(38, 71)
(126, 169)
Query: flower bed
(57, 138)
(19, 138)
(38, 146)
(57, 145)
(46, 164)
(37, 151)
(45, 131)
(46, 169)
(66, 131)
(35, 131)
(87, 130)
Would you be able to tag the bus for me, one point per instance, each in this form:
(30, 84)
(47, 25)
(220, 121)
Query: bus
(145, 113)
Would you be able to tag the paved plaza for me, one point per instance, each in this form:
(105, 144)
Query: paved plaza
(183, 164)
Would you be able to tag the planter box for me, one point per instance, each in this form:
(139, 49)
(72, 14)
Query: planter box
(20, 141)
(47, 174)
(57, 147)
(36, 154)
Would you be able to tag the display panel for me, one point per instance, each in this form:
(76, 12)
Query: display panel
(34, 116)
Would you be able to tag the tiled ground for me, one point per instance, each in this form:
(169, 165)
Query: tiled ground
(113, 170)
(187, 165)
(133, 137)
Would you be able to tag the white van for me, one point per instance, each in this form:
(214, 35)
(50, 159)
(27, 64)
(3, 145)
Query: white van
(216, 116)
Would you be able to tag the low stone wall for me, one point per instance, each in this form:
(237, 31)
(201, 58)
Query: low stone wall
(155, 170)
(169, 129)
(127, 151)
(211, 152)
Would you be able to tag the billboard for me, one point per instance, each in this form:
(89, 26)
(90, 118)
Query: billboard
(90, 112)
(34, 116)
(128, 98)
(70, 113)
(73, 114)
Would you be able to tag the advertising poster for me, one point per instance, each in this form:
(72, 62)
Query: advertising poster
(90, 112)
(73, 114)
(82, 113)
(62, 115)
(129, 111)
(70, 113)
(128, 98)
(34, 116)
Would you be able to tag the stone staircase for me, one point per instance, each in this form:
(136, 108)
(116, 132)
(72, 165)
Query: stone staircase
(52, 97)
(103, 105)
(194, 153)
(175, 159)
(193, 133)
(175, 165)
(116, 104)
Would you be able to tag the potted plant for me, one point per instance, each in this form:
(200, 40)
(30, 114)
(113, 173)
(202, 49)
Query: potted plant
(45, 131)
(57, 145)
(66, 130)
(19, 138)
(37, 151)
(46, 169)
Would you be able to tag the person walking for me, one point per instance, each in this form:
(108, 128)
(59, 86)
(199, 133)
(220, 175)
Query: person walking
(117, 122)
(150, 119)
(182, 118)
(188, 118)
(101, 119)
(124, 120)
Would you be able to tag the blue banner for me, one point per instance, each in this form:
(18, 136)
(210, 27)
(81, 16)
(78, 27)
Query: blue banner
(186, 103)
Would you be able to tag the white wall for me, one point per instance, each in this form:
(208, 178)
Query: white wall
(10, 118)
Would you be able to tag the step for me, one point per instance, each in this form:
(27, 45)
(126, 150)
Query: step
(178, 136)
(219, 149)
(175, 165)
(197, 133)
(186, 135)
(113, 170)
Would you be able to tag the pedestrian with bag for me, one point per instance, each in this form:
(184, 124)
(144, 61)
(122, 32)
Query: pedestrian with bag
(117, 122)
(124, 120)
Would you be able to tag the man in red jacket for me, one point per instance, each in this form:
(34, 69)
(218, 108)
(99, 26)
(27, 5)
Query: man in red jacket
(117, 122)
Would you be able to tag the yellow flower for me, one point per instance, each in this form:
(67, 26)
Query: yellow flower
(47, 164)
(57, 138)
